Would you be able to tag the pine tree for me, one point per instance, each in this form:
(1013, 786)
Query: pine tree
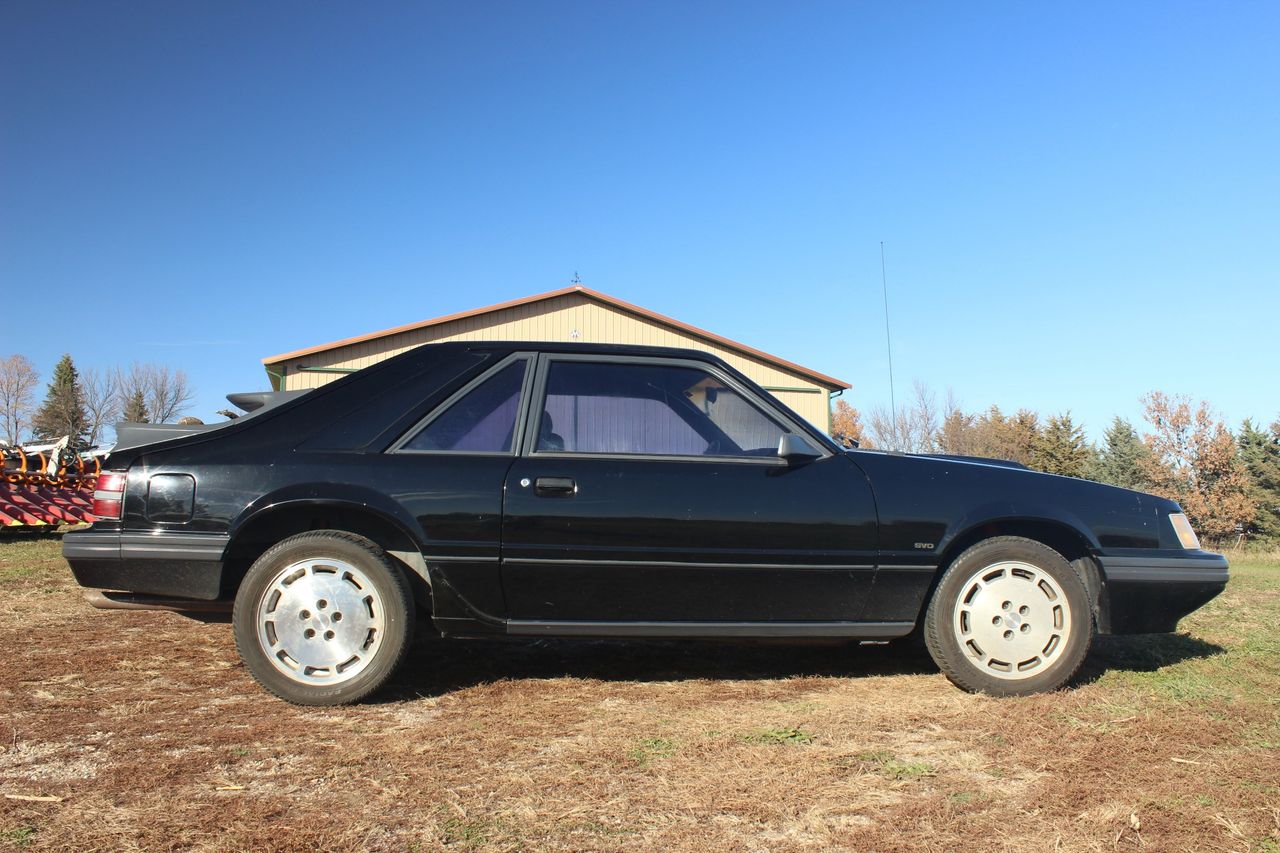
(135, 408)
(1260, 452)
(1017, 436)
(62, 412)
(1060, 447)
(1121, 461)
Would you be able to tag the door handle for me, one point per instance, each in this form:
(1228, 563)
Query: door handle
(554, 486)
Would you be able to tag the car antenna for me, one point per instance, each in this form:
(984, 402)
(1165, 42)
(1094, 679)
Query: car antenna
(888, 342)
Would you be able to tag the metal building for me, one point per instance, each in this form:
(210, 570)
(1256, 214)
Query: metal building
(571, 314)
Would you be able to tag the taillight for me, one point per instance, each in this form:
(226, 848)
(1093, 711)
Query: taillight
(109, 494)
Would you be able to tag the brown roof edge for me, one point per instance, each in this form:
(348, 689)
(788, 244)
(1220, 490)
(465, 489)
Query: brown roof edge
(421, 324)
(820, 378)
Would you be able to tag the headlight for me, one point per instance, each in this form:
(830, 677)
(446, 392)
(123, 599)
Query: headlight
(1186, 535)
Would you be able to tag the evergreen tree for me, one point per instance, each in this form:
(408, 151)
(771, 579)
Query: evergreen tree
(1018, 436)
(1260, 452)
(1121, 461)
(1060, 447)
(62, 412)
(135, 408)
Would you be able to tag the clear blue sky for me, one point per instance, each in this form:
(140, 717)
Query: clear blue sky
(1080, 202)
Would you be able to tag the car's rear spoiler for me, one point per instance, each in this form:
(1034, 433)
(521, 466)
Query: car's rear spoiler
(129, 435)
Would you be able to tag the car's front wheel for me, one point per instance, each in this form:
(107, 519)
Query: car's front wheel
(323, 618)
(1009, 617)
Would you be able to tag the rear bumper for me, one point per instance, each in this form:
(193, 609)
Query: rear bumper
(185, 565)
(1149, 594)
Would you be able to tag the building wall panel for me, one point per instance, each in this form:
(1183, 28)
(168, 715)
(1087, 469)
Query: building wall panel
(569, 317)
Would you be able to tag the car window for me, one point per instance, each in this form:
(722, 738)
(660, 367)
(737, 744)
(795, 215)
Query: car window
(649, 409)
(481, 421)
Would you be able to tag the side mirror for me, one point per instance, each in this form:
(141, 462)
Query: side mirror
(793, 448)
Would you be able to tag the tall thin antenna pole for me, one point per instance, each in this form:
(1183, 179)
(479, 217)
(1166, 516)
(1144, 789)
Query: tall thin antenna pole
(888, 341)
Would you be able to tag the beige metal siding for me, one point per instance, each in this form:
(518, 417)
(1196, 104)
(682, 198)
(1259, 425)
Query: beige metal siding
(571, 317)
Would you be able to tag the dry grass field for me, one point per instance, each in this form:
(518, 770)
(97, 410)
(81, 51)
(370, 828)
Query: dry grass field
(142, 731)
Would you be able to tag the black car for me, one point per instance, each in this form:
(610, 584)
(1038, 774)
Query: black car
(572, 490)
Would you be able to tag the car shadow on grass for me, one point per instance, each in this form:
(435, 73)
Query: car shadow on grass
(1142, 653)
(436, 666)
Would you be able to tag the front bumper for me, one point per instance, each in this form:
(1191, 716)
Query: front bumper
(185, 565)
(1148, 594)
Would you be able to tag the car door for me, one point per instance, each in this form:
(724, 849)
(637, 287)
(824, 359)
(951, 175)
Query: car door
(649, 490)
(448, 471)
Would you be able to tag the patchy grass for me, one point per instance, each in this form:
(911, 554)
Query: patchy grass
(24, 555)
(21, 836)
(651, 748)
(143, 732)
(887, 764)
(783, 736)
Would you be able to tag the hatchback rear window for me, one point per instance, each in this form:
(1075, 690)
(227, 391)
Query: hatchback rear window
(481, 421)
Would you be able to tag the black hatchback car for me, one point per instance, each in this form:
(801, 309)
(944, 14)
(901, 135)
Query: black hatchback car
(549, 489)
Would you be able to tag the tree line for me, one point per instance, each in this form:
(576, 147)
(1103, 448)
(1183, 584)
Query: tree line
(85, 404)
(1227, 482)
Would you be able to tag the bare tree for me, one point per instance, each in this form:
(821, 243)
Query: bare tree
(131, 391)
(166, 392)
(18, 381)
(914, 429)
(169, 394)
(101, 395)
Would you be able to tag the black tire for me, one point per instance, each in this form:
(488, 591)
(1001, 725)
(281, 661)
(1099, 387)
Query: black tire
(970, 651)
(373, 575)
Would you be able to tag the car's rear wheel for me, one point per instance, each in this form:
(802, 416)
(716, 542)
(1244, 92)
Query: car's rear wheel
(323, 618)
(1009, 617)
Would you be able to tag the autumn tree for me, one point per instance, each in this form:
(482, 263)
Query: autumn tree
(846, 423)
(1260, 454)
(1194, 461)
(1122, 459)
(62, 412)
(18, 381)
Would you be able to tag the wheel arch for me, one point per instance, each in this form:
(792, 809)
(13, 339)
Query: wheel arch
(1068, 539)
(257, 531)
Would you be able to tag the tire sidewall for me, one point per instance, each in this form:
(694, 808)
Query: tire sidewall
(946, 649)
(387, 580)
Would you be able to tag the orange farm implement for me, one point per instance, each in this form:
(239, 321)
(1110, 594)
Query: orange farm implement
(46, 484)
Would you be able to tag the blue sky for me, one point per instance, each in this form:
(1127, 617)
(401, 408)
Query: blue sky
(1080, 203)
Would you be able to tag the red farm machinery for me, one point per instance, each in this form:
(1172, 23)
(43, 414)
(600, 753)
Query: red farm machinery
(46, 485)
